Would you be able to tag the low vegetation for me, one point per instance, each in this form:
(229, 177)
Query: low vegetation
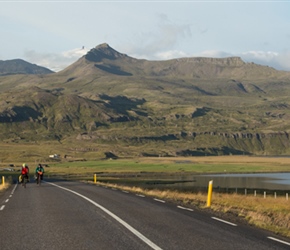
(7, 183)
(210, 164)
(3, 186)
(270, 214)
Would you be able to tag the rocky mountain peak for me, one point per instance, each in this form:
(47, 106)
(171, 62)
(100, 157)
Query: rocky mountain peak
(103, 51)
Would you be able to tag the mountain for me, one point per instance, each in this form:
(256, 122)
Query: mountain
(128, 106)
(18, 66)
(104, 60)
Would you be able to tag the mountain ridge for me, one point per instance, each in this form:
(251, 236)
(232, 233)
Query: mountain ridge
(103, 53)
(108, 60)
(188, 106)
(19, 66)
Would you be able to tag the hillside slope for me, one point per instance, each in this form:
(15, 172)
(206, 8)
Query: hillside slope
(186, 106)
(18, 66)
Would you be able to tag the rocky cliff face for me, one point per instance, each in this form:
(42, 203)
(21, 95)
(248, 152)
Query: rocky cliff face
(207, 143)
(229, 61)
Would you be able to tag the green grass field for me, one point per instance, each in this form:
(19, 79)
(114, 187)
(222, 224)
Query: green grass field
(215, 164)
(230, 164)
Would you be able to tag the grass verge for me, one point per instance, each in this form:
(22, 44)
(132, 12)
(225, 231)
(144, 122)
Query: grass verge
(272, 214)
(3, 186)
(7, 183)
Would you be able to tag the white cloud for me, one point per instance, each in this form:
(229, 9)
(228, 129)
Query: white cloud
(54, 61)
(167, 55)
(213, 53)
(165, 36)
(75, 53)
(260, 57)
(280, 61)
(284, 60)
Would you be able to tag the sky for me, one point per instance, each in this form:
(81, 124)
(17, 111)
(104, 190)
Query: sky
(55, 34)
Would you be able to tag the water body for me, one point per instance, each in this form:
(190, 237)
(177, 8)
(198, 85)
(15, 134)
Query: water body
(223, 182)
(267, 181)
(239, 183)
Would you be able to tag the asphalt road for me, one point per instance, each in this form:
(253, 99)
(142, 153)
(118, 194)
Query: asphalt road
(72, 215)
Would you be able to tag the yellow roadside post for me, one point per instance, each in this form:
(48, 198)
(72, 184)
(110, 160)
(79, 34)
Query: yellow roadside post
(95, 178)
(209, 195)
(3, 180)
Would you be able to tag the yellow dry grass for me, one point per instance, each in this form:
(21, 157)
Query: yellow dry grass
(4, 186)
(269, 213)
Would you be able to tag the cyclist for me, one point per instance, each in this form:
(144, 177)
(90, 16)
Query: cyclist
(24, 173)
(39, 171)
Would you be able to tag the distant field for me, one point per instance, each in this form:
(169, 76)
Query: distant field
(218, 164)
(215, 164)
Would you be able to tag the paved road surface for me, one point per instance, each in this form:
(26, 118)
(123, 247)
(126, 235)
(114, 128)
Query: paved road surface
(72, 215)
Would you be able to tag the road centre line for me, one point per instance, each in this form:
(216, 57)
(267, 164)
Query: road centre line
(159, 200)
(14, 188)
(185, 208)
(3, 206)
(125, 224)
(281, 241)
(140, 195)
(224, 221)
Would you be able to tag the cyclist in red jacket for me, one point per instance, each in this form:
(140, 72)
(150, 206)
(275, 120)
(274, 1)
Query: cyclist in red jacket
(24, 173)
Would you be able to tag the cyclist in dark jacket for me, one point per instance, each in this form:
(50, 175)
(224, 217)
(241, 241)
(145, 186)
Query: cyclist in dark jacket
(39, 171)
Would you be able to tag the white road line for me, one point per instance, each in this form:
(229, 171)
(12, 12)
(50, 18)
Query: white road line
(224, 221)
(140, 195)
(125, 192)
(125, 224)
(281, 241)
(185, 208)
(14, 188)
(3, 206)
(159, 200)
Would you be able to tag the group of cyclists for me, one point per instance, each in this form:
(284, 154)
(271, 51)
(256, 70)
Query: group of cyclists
(38, 175)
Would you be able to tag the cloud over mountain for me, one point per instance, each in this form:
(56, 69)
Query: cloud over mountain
(59, 61)
(54, 61)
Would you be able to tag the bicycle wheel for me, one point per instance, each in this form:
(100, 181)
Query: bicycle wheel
(39, 179)
(24, 180)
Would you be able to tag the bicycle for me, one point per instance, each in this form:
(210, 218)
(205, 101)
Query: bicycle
(38, 180)
(24, 180)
